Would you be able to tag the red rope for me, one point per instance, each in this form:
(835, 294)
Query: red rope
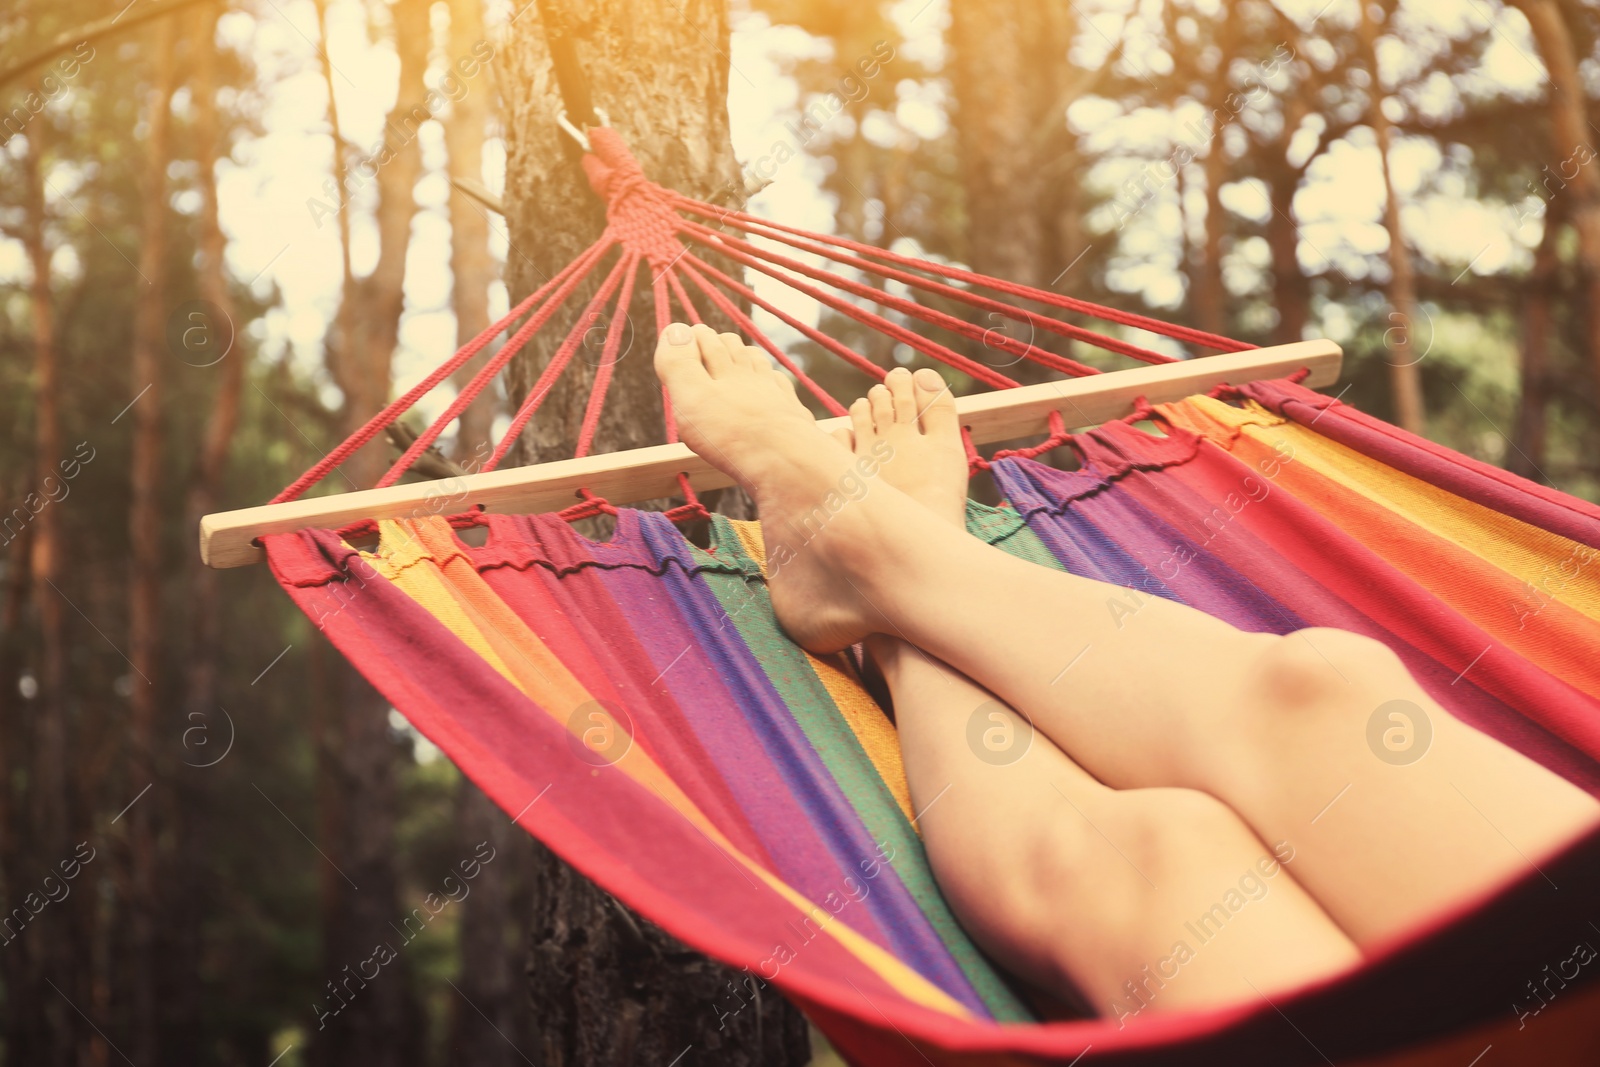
(1100, 311)
(850, 355)
(683, 297)
(382, 419)
(481, 380)
(880, 324)
(1025, 350)
(464, 520)
(557, 364)
(1058, 437)
(745, 323)
(949, 322)
(975, 461)
(608, 358)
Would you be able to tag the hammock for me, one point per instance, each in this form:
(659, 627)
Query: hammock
(635, 706)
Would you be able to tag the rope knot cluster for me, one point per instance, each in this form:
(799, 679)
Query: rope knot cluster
(640, 214)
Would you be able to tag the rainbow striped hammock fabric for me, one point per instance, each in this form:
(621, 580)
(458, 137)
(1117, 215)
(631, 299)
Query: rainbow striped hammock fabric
(635, 706)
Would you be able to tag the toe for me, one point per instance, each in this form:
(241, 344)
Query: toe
(757, 357)
(713, 353)
(936, 405)
(901, 395)
(844, 436)
(737, 354)
(861, 421)
(882, 402)
(677, 358)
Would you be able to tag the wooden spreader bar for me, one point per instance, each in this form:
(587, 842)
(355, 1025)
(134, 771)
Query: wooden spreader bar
(227, 538)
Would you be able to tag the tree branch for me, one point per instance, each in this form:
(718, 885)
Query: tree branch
(123, 20)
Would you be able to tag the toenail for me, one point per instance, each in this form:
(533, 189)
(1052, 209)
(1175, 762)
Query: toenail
(678, 334)
(929, 378)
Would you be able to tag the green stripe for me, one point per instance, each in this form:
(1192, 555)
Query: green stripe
(791, 674)
(1003, 528)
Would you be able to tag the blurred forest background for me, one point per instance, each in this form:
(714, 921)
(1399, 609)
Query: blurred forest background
(192, 784)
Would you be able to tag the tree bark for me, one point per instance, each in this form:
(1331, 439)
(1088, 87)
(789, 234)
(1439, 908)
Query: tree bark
(1209, 301)
(205, 730)
(485, 1013)
(378, 1024)
(661, 73)
(1291, 291)
(144, 533)
(1010, 74)
(1574, 149)
(1405, 370)
(1529, 437)
(16, 966)
(607, 987)
(1006, 156)
(472, 269)
(45, 1035)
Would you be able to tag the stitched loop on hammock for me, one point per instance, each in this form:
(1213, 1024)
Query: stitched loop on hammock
(975, 460)
(1058, 437)
(587, 508)
(1226, 391)
(465, 520)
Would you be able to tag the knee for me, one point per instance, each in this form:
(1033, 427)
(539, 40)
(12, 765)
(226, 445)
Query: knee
(1321, 668)
(1141, 837)
(1174, 830)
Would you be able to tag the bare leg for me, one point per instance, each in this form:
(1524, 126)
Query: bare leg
(1275, 726)
(1121, 895)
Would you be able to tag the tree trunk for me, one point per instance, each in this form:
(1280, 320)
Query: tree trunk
(472, 269)
(206, 732)
(1004, 116)
(377, 1024)
(1209, 301)
(609, 988)
(1291, 293)
(1405, 371)
(326, 669)
(484, 1016)
(144, 534)
(485, 1012)
(22, 987)
(1009, 71)
(672, 111)
(40, 1027)
(1568, 119)
(1528, 439)
(606, 987)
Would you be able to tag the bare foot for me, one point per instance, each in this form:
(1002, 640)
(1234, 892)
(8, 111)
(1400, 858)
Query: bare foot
(741, 415)
(915, 414)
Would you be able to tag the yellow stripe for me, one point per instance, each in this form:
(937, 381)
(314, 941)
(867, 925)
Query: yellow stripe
(1551, 565)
